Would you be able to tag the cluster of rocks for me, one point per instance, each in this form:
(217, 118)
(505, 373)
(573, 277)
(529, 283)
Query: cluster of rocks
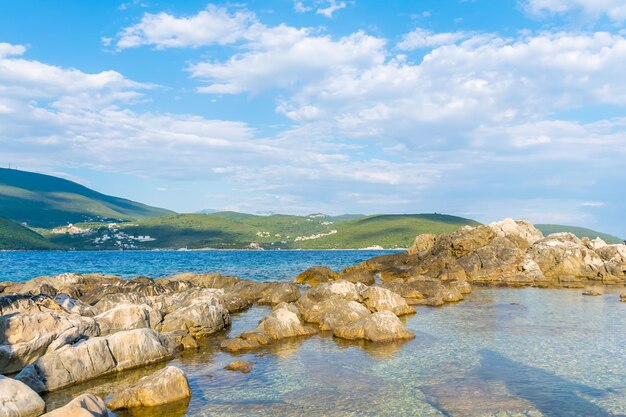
(62, 330)
(506, 253)
(348, 310)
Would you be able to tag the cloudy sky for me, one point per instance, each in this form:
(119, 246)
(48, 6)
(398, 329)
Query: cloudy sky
(479, 108)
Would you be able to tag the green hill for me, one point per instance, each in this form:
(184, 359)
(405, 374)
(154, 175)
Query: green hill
(229, 230)
(46, 201)
(581, 232)
(388, 231)
(14, 236)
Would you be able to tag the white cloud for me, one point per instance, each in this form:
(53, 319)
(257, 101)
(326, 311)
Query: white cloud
(300, 7)
(292, 61)
(331, 7)
(613, 9)
(6, 49)
(421, 38)
(214, 25)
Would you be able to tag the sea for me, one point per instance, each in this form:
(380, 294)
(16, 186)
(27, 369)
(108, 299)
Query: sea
(500, 352)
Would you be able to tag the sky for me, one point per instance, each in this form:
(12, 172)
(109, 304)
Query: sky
(479, 108)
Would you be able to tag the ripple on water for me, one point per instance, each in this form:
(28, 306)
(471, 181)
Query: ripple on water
(503, 352)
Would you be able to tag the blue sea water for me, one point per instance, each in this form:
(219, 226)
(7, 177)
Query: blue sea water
(256, 265)
(501, 352)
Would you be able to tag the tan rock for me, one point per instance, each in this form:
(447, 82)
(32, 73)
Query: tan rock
(358, 273)
(316, 275)
(94, 357)
(128, 317)
(383, 326)
(563, 254)
(199, 319)
(423, 243)
(283, 322)
(239, 366)
(162, 387)
(343, 313)
(86, 405)
(382, 299)
(283, 292)
(18, 400)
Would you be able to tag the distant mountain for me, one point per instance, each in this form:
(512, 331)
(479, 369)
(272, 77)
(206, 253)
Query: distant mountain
(581, 232)
(14, 236)
(206, 211)
(46, 201)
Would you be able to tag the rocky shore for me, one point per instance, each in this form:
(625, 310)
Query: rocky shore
(58, 331)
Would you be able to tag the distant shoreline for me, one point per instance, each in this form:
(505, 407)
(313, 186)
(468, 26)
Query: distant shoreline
(207, 250)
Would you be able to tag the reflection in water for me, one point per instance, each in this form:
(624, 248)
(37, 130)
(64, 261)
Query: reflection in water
(177, 409)
(539, 387)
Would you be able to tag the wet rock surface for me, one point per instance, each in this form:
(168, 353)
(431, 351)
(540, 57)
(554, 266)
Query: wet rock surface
(162, 387)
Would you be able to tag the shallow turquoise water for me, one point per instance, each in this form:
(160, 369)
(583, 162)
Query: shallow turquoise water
(258, 265)
(502, 352)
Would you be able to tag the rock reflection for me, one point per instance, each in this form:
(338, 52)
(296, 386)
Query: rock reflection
(176, 409)
(373, 349)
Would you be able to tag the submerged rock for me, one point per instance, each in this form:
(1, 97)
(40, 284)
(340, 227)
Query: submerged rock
(162, 387)
(239, 366)
(593, 292)
(18, 400)
(383, 326)
(86, 405)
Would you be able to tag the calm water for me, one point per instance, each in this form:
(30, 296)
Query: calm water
(503, 352)
(258, 265)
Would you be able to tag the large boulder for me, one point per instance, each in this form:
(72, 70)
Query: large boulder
(343, 313)
(283, 292)
(162, 387)
(284, 321)
(128, 317)
(86, 405)
(317, 312)
(358, 273)
(563, 255)
(26, 337)
(382, 299)
(316, 275)
(18, 400)
(383, 326)
(199, 319)
(94, 357)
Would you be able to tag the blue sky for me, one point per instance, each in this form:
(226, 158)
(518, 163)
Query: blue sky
(485, 109)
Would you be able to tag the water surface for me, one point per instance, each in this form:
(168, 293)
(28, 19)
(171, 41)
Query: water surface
(257, 265)
(502, 352)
